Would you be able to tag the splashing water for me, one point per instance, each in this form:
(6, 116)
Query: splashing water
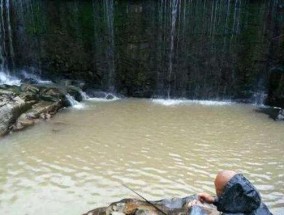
(259, 98)
(8, 79)
(75, 104)
(35, 77)
(108, 97)
(174, 102)
(175, 4)
(84, 95)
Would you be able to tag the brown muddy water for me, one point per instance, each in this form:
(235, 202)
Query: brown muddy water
(78, 160)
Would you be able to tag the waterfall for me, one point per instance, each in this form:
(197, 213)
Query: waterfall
(34, 77)
(9, 80)
(174, 10)
(6, 51)
(236, 22)
(109, 10)
(2, 38)
(166, 48)
(259, 98)
(84, 95)
(11, 48)
(104, 43)
(73, 103)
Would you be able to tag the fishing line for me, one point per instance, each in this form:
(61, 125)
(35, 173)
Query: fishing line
(145, 199)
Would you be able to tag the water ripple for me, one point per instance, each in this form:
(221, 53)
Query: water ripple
(156, 150)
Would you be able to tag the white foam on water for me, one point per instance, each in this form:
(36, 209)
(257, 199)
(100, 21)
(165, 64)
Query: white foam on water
(168, 102)
(211, 102)
(84, 95)
(74, 104)
(102, 99)
(105, 99)
(174, 102)
(8, 79)
(35, 77)
(5, 78)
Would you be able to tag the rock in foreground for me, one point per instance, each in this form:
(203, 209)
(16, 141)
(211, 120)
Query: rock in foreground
(176, 206)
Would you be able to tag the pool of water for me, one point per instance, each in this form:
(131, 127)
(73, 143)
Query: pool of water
(79, 160)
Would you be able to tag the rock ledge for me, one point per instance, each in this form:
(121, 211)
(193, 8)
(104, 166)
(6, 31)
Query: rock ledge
(23, 106)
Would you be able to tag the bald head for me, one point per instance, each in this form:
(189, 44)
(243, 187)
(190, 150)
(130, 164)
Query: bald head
(222, 179)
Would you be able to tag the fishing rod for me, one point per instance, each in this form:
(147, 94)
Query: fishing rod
(145, 199)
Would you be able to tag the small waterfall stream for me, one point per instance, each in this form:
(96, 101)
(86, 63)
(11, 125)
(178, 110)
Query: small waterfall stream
(171, 49)
(7, 54)
(2, 37)
(110, 52)
(5, 78)
(11, 48)
(174, 14)
(73, 103)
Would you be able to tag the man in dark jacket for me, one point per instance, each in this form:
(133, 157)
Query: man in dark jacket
(235, 196)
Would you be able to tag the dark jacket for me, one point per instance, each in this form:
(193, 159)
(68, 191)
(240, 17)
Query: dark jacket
(240, 197)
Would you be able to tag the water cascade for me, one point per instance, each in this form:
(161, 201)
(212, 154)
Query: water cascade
(5, 78)
(206, 50)
(174, 12)
(2, 37)
(11, 48)
(109, 11)
(73, 103)
(6, 46)
(6, 38)
(104, 44)
(84, 95)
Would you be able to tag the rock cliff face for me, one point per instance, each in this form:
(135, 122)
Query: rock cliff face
(151, 49)
(275, 97)
(176, 206)
(23, 106)
(276, 88)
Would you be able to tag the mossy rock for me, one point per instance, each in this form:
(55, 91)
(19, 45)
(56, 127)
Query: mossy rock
(52, 94)
(30, 88)
(75, 92)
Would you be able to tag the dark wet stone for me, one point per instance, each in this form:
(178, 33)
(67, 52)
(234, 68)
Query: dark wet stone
(75, 92)
(29, 88)
(96, 94)
(280, 115)
(175, 206)
(276, 88)
(110, 96)
(29, 81)
(274, 113)
(52, 94)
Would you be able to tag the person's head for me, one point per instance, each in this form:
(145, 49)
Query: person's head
(222, 179)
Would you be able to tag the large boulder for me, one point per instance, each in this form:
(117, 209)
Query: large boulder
(29, 92)
(22, 106)
(175, 206)
(10, 111)
(52, 94)
(41, 110)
